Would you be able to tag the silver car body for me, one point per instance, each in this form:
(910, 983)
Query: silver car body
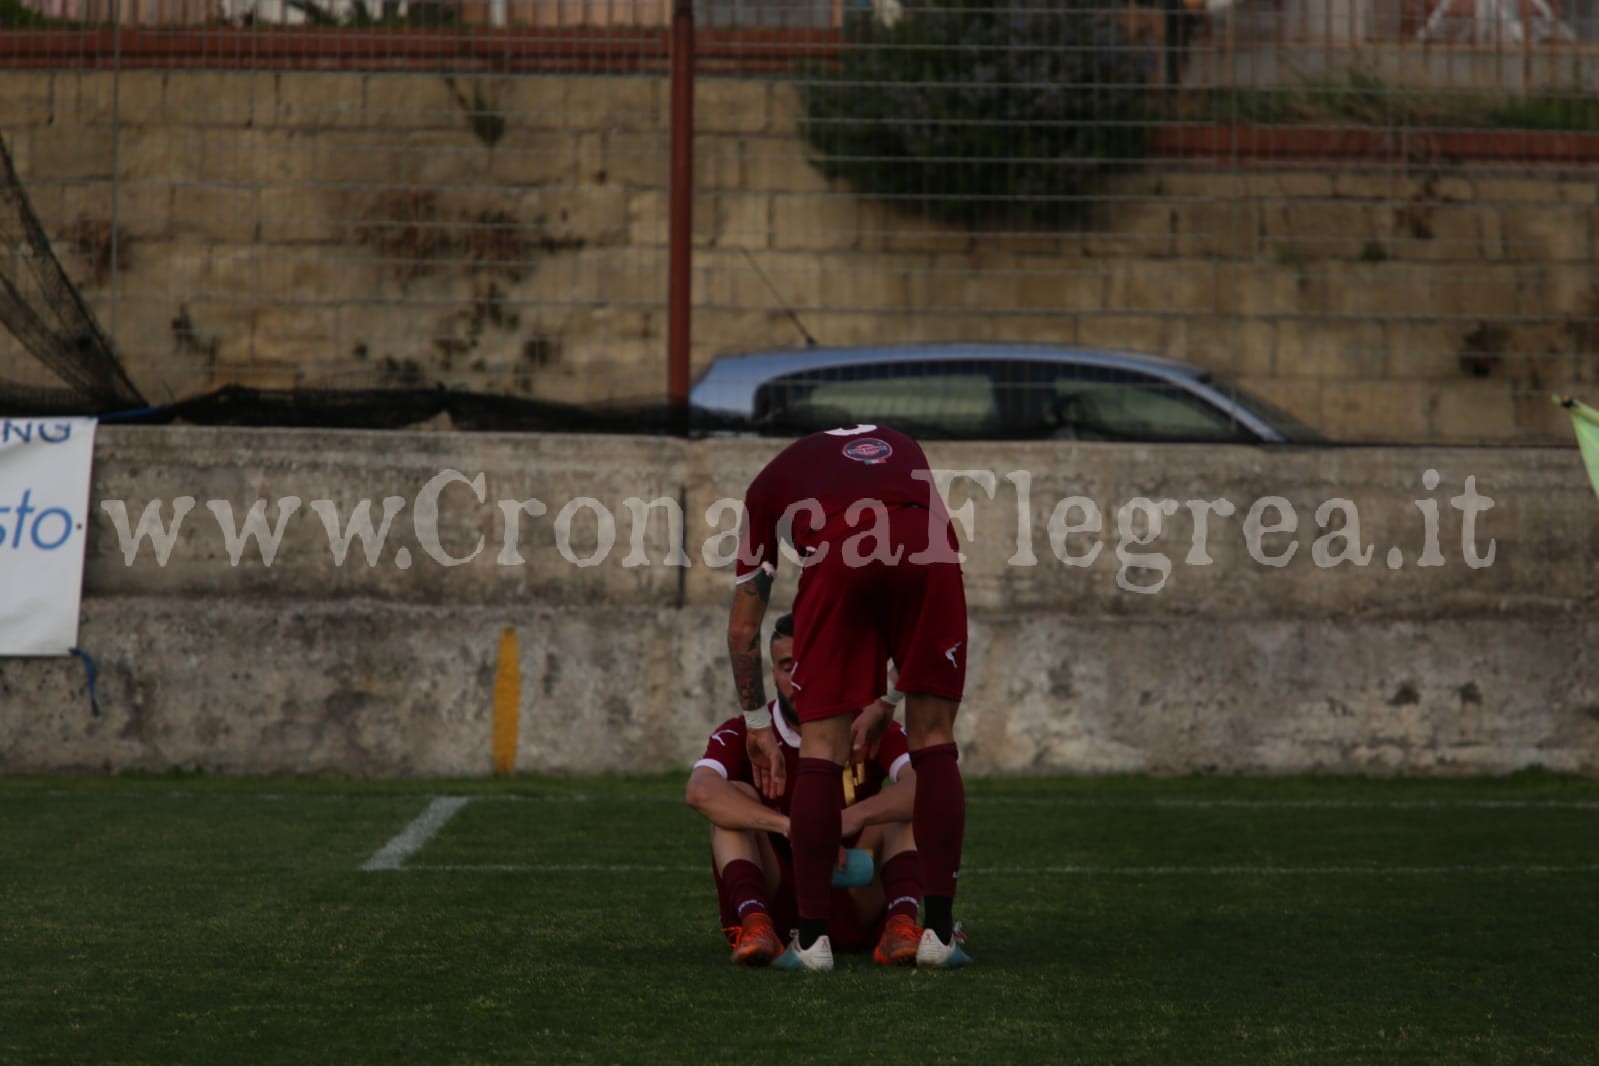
(730, 386)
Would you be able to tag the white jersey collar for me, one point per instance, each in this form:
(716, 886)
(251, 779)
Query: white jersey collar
(784, 730)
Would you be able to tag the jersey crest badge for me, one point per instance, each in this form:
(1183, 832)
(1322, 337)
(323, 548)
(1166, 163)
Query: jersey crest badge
(868, 450)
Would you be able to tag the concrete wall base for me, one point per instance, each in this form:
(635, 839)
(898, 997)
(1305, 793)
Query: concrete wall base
(369, 689)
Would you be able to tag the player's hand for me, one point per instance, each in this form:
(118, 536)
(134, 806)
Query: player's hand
(843, 857)
(766, 761)
(867, 730)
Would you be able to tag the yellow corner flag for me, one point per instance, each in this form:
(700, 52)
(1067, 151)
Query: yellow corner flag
(1585, 420)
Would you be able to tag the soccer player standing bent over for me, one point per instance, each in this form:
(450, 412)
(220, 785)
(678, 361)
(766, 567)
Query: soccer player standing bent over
(881, 579)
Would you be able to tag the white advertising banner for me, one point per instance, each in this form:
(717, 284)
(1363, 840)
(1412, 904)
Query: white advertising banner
(44, 515)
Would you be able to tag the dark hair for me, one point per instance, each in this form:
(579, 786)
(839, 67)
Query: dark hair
(783, 627)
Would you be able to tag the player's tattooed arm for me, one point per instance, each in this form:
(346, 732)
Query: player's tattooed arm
(747, 675)
(744, 639)
(744, 651)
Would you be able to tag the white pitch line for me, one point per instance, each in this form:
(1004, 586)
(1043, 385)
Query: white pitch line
(559, 868)
(976, 799)
(1154, 803)
(1274, 871)
(1287, 805)
(1067, 871)
(409, 840)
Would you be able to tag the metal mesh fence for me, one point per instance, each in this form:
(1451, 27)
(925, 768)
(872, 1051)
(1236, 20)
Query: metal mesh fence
(1372, 217)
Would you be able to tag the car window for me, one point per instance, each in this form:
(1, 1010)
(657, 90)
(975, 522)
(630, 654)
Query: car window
(949, 399)
(1137, 408)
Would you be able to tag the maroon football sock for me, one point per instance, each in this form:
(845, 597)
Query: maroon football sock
(939, 817)
(814, 829)
(902, 884)
(745, 888)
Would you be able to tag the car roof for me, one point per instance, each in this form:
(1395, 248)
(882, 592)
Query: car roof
(731, 380)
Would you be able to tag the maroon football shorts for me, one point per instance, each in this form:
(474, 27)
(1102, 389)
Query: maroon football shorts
(848, 620)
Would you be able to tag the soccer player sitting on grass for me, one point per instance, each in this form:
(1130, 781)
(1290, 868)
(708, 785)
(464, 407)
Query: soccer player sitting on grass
(750, 852)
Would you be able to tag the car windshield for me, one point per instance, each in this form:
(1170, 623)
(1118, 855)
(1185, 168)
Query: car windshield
(1281, 420)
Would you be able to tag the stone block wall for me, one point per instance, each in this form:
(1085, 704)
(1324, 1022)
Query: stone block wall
(510, 234)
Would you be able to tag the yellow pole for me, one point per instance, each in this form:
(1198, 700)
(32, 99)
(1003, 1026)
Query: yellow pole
(507, 703)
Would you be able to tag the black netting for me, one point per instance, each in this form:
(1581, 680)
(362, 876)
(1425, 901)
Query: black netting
(43, 310)
(238, 405)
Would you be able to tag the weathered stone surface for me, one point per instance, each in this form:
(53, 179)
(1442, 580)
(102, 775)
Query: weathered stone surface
(815, 223)
(377, 690)
(1552, 234)
(1321, 348)
(1377, 411)
(339, 101)
(726, 105)
(1472, 412)
(30, 101)
(378, 668)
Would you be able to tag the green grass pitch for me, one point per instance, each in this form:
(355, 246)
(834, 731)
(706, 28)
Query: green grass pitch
(1118, 920)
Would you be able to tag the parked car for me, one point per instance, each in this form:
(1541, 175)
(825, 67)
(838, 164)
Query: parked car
(998, 391)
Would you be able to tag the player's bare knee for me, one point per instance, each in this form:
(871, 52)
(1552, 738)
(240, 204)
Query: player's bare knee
(929, 720)
(826, 738)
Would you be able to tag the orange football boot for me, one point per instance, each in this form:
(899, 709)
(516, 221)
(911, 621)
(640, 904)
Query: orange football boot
(756, 942)
(897, 945)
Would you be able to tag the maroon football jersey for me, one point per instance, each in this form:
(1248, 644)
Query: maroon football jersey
(836, 468)
(725, 753)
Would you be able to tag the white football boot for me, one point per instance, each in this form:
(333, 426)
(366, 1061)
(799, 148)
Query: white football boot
(817, 958)
(934, 954)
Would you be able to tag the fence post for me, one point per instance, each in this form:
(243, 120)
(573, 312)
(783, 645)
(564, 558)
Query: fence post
(680, 234)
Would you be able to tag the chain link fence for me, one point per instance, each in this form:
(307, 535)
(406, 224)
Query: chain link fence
(1375, 218)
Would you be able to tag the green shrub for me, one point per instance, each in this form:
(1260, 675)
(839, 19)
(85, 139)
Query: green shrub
(15, 15)
(991, 112)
